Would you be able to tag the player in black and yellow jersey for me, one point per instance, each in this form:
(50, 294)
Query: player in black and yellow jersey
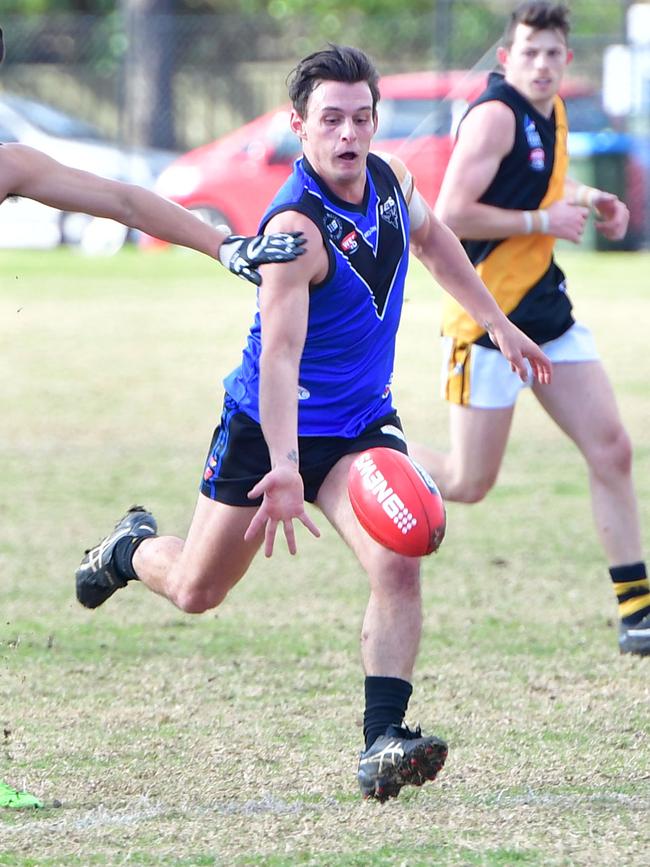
(507, 195)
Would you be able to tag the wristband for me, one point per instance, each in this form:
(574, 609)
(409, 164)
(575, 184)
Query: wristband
(585, 196)
(537, 221)
(544, 221)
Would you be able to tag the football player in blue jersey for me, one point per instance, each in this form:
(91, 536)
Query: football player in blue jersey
(313, 390)
(506, 193)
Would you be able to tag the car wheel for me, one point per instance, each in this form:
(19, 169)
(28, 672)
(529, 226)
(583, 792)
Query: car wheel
(73, 226)
(212, 216)
(103, 237)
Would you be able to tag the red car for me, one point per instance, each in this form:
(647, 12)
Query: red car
(233, 179)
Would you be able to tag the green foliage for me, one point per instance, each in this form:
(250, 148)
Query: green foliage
(588, 17)
(51, 7)
(440, 34)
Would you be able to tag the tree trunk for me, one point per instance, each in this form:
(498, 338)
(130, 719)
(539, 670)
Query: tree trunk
(148, 73)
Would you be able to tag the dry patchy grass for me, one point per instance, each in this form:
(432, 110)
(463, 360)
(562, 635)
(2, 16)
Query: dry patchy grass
(231, 738)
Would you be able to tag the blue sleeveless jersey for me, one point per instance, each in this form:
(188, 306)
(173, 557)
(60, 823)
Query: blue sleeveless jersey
(347, 362)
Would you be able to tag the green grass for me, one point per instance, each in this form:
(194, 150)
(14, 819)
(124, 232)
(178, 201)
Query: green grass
(231, 738)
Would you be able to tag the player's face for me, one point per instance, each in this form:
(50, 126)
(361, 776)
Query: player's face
(535, 64)
(336, 134)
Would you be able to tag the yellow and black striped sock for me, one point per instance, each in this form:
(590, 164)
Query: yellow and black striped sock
(632, 591)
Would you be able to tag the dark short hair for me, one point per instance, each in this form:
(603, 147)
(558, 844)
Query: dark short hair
(540, 15)
(334, 63)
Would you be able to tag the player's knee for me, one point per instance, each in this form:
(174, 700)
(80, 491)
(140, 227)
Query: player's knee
(196, 599)
(472, 490)
(398, 576)
(614, 455)
(622, 452)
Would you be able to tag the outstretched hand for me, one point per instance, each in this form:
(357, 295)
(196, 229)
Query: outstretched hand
(283, 501)
(518, 349)
(243, 255)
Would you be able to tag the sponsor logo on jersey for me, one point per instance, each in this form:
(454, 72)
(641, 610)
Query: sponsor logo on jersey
(537, 159)
(388, 211)
(387, 387)
(536, 155)
(333, 225)
(210, 468)
(349, 244)
(532, 136)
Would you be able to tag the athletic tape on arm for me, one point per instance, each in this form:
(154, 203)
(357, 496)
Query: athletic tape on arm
(417, 206)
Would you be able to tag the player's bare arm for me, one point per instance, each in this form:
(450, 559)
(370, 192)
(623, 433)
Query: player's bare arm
(27, 172)
(443, 255)
(284, 307)
(485, 137)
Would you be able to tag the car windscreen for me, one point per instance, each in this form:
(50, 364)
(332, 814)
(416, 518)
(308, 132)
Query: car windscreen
(51, 120)
(404, 118)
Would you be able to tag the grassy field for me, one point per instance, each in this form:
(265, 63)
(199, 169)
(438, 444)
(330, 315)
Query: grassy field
(158, 738)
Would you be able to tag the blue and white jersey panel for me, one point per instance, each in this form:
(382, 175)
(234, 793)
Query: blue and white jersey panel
(347, 363)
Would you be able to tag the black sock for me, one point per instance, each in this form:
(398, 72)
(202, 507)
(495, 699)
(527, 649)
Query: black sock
(386, 701)
(123, 556)
(632, 591)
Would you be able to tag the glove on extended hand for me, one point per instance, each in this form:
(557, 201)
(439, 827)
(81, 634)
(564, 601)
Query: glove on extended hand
(243, 255)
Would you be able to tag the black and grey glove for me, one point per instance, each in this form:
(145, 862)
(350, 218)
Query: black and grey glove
(243, 255)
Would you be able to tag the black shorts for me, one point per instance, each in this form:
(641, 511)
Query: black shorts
(239, 457)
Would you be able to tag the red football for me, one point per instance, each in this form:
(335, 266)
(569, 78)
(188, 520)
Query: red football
(396, 502)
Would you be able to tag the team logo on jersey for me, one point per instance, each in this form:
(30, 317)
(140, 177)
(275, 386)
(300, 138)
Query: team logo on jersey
(333, 225)
(349, 244)
(536, 155)
(303, 393)
(388, 211)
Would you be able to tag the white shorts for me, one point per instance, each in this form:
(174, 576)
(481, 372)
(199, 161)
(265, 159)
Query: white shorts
(475, 376)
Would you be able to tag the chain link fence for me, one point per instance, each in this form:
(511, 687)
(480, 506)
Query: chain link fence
(175, 82)
(178, 81)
